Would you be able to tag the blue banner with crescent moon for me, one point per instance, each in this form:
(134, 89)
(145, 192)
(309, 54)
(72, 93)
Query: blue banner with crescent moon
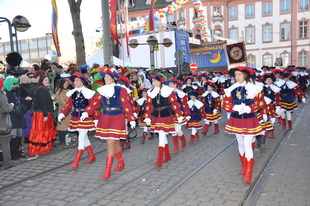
(208, 55)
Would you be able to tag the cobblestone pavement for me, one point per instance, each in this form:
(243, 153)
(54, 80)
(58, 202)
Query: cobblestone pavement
(140, 182)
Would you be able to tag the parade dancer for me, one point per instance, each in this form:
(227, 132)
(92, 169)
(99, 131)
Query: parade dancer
(289, 90)
(161, 107)
(182, 100)
(197, 114)
(272, 99)
(243, 99)
(203, 83)
(212, 106)
(112, 120)
(141, 108)
(188, 85)
(78, 99)
(218, 79)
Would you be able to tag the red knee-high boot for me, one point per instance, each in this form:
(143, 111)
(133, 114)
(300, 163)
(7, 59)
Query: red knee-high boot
(175, 140)
(159, 162)
(243, 163)
(122, 143)
(167, 154)
(271, 133)
(109, 163)
(253, 146)
(216, 128)
(151, 135)
(121, 163)
(127, 143)
(248, 173)
(143, 137)
(283, 123)
(78, 155)
(191, 140)
(183, 141)
(197, 136)
(91, 155)
(205, 129)
(280, 120)
(290, 126)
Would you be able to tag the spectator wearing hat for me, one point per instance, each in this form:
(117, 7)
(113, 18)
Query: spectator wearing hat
(197, 114)
(289, 90)
(85, 71)
(43, 130)
(212, 108)
(161, 109)
(243, 100)
(78, 99)
(5, 107)
(112, 121)
(182, 99)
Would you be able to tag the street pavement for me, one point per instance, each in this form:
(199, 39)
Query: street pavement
(141, 183)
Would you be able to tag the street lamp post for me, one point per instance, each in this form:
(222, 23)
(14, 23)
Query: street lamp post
(20, 24)
(3, 19)
(151, 41)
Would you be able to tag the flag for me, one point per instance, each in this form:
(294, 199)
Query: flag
(126, 25)
(113, 27)
(236, 53)
(150, 26)
(54, 27)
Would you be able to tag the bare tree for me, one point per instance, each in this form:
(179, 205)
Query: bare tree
(77, 31)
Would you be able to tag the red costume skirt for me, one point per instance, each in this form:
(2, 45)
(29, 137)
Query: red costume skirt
(249, 126)
(111, 127)
(267, 126)
(288, 106)
(76, 123)
(214, 117)
(41, 134)
(184, 121)
(162, 124)
(271, 109)
(142, 124)
(194, 124)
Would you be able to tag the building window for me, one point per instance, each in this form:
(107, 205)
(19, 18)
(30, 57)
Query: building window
(285, 59)
(267, 33)
(249, 11)
(267, 10)
(303, 29)
(181, 15)
(303, 59)
(43, 53)
(285, 6)
(250, 34)
(233, 34)
(285, 31)
(24, 46)
(218, 32)
(171, 18)
(34, 55)
(42, 43)
(195, 14)
(251, 61)
(25, 55)
(216, 11)
(267, 60)
(130, 3)
(233, 13)
(33, 45)
(303, 5)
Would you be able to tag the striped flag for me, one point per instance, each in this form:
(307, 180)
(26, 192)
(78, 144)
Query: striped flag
(151, 24)
(54, 27)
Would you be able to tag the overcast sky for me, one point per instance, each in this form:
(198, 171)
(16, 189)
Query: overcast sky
(38, 13)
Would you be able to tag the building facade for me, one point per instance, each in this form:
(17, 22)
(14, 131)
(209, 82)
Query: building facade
(271, 29)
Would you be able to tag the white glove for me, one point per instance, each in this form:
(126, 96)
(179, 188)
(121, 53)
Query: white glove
(278, 111)
(228, 115)
(135, 114)
(84, 116)
(188, 118)
(45, 119)
(60, 117)
(237, 108)
(265, 117)
(304, 100)
(180, 119)
(272, 120)
(147, 121)
(214, 111)
(12, 104)
(132, 124)
(246, 109)
(96, 122)
(206, 121)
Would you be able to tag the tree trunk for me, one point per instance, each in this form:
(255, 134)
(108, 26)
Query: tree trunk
(77, 31)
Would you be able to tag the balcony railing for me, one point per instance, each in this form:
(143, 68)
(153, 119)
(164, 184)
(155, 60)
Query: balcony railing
(218, 17)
